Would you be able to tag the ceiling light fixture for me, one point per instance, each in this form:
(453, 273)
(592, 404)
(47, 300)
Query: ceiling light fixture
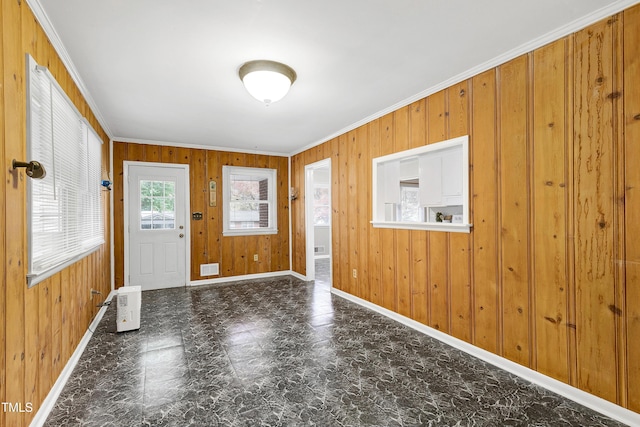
(267, 81)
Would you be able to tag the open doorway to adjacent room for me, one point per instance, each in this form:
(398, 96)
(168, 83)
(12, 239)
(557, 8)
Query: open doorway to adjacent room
(318, 221)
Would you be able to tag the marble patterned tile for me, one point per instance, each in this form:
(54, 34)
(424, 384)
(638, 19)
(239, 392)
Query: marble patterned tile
(282, 352)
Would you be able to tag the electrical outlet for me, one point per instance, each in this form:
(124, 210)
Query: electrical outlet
(355, 273)
(255, 257)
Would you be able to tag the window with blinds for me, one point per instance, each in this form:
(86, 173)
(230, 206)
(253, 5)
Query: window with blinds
(64, 209)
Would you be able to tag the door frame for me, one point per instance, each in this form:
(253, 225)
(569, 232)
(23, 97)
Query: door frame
(309, 226)
(187, 226)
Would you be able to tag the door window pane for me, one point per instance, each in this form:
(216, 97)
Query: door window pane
(157, 205)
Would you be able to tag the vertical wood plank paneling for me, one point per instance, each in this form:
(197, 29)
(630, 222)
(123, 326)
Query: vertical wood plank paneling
(549, 210)
(56, 328)
(167, 154)
(273, 247)
(153, 153)
(199, 203)
(65, 309)
(282, 249)
(363, 209)
(3, 210)
(404, 266)
(214, 214)
(375, 251)
(515, 204)
(570, 212)
(32, 347)
(135, 152)
(294, 212)
(617, 86)
(299, 255)
(299, 230)
(438, 241)
(226, 247)
(119, 154)
(419, 257)
(342, 250)
(336, 262)
(15, 226)
(594, 213)
(459, 243)
(387, 236)
(631, 91)
(352, 211)
(485, 228)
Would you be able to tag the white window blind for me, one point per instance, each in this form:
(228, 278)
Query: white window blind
(65, 220)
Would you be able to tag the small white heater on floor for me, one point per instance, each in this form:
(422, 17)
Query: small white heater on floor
(129, 302)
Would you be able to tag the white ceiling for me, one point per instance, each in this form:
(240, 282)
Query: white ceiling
(167, 71)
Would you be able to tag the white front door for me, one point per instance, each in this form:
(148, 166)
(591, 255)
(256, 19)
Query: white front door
(156, 208)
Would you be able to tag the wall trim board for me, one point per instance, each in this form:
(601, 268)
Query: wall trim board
(56, 42)
(49, 402)
(112, 251)
(583, 398)
(289, 214)
(230, 279)
(527, 47)
(299, 276)
(197, 146)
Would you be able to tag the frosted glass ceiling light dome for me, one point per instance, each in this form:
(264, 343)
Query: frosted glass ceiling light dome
(267, 81)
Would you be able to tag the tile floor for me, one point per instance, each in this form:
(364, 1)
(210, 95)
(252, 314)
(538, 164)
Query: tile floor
(282, 352)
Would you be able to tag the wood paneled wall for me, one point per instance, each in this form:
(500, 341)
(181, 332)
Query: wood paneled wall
(42, 326)
(549, 276)
(235, 254)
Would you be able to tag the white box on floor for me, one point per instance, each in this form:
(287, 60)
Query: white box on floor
(129, 300)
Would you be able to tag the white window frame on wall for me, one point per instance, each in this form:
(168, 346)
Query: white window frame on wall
(441, 173)
(270, 175)
(64, 209)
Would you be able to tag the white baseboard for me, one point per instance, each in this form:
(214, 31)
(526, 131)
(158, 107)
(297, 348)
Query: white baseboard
(50, 401)
(579, 396)
(298, 276)
(245, 277)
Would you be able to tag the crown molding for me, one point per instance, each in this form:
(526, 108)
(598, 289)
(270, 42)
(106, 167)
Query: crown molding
(196, 146)
(558, 33)
(50, 31)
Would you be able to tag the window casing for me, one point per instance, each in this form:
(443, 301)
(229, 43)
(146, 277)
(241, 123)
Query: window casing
(249, 201)
(64, 209)
(423, 188)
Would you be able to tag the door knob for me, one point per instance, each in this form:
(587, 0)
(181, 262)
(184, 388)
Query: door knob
(181, 235)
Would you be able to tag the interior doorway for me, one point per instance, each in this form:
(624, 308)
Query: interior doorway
(318, 221)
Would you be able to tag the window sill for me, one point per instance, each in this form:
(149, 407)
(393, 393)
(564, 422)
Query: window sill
(432, 226)
(249, 232)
